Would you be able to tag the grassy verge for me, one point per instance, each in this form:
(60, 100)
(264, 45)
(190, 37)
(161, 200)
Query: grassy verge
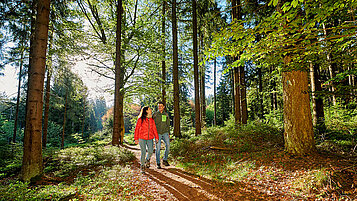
(255, 154)
(81, 173)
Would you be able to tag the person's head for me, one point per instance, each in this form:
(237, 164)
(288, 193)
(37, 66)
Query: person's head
(161, 106)
(145, 113)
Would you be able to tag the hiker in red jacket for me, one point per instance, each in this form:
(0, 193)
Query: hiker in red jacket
(145, 132)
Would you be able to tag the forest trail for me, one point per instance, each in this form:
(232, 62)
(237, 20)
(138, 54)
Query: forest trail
(173, 183)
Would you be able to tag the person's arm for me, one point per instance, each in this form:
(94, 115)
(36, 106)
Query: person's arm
(155, 131)
(168, 122)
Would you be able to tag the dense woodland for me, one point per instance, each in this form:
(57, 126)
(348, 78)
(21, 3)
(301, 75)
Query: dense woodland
(283, 76)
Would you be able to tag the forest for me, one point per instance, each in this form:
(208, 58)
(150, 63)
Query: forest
(261, 97)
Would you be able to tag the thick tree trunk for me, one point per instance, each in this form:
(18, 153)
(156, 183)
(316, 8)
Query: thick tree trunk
(32, 164)
(163, 53)
(18, 97)
(64, 120)
(195, 67)
(118, 94)
(317, 101)
(214, 92)
(177, 131)
(236, 14)
(298, 130)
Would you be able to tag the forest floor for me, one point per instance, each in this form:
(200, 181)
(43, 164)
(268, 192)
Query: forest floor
(174, 183)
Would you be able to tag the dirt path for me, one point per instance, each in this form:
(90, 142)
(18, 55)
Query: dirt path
(172, 183)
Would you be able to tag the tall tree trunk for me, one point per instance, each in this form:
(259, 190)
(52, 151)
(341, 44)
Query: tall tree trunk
(202, 85)
(32, 164)
(118, 94)
(260, 81)
(236, 75)
(243, 94)
(163, 53)
(214, 92)
(48, 89)
(298, 130)
(195, 67)
(317, 101)
(177, 131)
(242, 85)
(64, 119)
(18, 96)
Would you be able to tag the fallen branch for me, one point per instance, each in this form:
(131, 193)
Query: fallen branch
(220, 148)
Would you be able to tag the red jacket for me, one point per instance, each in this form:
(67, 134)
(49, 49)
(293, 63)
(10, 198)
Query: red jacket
(146, 129)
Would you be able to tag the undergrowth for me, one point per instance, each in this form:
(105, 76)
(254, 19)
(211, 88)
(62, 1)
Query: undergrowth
(93, 172)
(253, 153)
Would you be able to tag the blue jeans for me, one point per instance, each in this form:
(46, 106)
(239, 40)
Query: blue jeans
(143, 144)
(166, 139)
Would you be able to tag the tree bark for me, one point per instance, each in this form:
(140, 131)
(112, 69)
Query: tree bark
(118, 94)
(202, 86)
(214, 92)
(177, 131)
(195, 67)
(236, 75)
(32, 164)
(163, 53)
(298, 130)
(317, 101)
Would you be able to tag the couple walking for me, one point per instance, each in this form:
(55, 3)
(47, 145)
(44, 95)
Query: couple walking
(149, 127)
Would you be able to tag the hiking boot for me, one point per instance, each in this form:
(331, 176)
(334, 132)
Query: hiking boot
(165, 163)
(158, 166)
(142, 168)
(147, 163)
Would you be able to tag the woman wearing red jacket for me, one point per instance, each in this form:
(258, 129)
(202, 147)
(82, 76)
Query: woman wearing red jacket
(145, 132)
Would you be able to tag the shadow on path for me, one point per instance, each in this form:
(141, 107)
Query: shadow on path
(186, 186)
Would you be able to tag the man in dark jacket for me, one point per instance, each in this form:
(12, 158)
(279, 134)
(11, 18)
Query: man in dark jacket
(162, 122)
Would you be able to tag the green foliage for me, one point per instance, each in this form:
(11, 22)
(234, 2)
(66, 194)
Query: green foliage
(11, 160)
(129, 138)
(74, 158)
(54, 133)
(16, 190)
(109, 183)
